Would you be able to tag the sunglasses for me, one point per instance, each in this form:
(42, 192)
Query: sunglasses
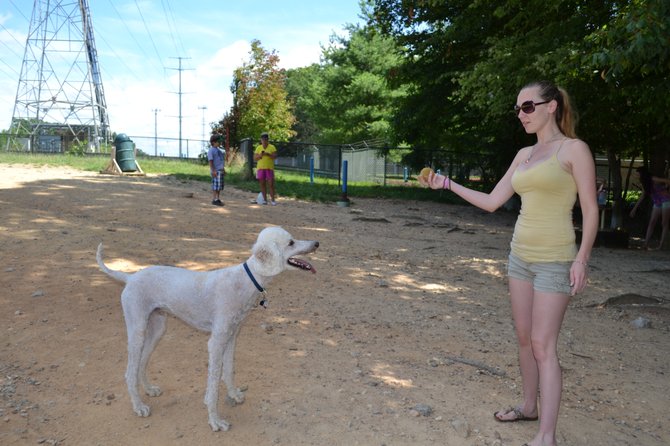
(528, 107)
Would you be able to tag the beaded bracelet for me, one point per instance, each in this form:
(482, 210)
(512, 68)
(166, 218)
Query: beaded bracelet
(580, 262)
(444, 184)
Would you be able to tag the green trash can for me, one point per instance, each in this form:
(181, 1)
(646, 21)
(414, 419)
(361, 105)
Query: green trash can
(125, 153)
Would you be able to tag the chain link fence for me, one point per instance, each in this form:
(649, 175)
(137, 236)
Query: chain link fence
(366, 164)
(65, 143)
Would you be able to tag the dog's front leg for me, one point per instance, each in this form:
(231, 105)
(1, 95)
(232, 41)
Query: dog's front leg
(216, 348)
(235, 395)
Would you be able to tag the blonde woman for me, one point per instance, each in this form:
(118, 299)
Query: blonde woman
(546, 268)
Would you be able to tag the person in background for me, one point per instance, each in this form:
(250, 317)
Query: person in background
(657, 189)
(265, 155)
(601, 191)
(216, 157)
(545, 268)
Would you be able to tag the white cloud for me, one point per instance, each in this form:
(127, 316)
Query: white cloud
(130, 101)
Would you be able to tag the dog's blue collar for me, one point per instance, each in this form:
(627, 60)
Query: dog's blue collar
(253, 279)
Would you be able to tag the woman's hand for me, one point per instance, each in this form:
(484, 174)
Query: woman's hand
(579, 272)
(434, 181)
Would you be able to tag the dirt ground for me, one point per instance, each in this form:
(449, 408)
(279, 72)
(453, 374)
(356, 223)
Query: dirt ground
(403, 337)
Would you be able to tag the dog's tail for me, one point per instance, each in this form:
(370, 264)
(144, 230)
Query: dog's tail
(118, 275)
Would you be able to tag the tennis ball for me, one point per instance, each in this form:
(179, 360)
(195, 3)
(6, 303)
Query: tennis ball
(425, 172)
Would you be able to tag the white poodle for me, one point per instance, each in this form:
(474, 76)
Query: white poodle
(213, 301)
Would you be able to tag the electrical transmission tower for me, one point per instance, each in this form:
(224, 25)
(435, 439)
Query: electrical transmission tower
(59, 99)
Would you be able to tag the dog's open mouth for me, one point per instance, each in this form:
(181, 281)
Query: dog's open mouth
(302, 264)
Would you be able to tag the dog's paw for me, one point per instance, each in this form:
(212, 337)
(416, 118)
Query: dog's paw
(235, 397)
(142, 410)
(218, 424)
(153, 390)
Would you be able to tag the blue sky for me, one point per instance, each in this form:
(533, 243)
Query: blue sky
(138, 43)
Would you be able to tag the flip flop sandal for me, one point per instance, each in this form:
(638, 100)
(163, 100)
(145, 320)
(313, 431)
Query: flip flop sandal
(518, 416)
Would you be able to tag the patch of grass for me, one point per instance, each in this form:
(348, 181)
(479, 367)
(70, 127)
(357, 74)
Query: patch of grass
(60, 160)
(288, 184)
(189, 169)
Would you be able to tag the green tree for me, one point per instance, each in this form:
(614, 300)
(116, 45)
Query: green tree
(348, 97)
(301, 84)
(630, 60)
(631, 55)
(444, 41)
(260, 100)
(466, 60)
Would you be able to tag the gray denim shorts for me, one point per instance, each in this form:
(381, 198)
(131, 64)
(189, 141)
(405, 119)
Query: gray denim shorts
(549, 277)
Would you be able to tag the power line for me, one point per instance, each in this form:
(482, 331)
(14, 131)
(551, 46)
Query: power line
(20, 12)
(10, 67)
(118, 58)
(18, 56)
(148, 32)
(172, 25)
(130, 33)
(11, 35)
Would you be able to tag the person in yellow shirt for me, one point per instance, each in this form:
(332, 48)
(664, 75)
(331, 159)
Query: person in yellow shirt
(265, 155)
(546, 268)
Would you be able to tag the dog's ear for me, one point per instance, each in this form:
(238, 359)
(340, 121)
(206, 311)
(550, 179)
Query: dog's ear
(268, 259)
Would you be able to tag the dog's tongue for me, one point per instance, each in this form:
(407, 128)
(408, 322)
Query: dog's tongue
(302, 264)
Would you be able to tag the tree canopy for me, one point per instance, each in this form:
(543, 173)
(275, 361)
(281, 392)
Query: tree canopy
(260, 102)
(433, 74)
(466, 61)
(348, 97)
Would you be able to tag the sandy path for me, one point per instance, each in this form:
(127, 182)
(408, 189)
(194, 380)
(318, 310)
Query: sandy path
(403, 290)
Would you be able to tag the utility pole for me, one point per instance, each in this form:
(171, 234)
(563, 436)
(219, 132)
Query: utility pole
(156, 110)
(179, 93)
(203, 108)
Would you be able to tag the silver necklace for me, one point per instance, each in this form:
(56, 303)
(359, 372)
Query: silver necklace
(552, 139)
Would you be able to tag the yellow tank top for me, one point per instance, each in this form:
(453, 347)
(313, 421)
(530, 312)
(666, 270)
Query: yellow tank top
(544, 230)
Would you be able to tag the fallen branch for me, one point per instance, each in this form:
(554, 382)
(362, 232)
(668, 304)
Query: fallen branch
(492, 370)
(371, 219)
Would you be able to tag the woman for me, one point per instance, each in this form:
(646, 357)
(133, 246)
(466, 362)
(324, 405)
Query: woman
(657, 189)
(545, 266)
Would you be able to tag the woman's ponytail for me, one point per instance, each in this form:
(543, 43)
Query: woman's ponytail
(566, 118)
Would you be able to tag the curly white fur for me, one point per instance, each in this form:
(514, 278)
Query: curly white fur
(213, 301)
